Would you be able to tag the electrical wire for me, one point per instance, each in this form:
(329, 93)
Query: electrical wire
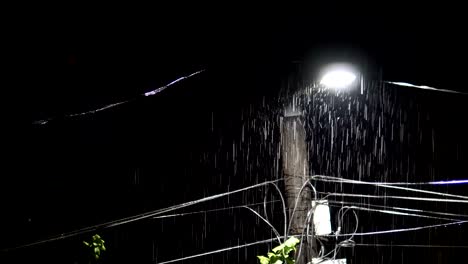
(297, 200)
(395, 197)
(398, 230)
(285, 216)
(424, 87)
(308, 219)
(397, 208)
(137, 217)
(409, 245)
(267, 222)
(340, 180)
(399, 213)
(214, 210)
(345, 243)
(146, 94)
(218, 251)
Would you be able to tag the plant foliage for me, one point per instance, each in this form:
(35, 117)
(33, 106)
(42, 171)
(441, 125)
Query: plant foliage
(280, 254)
(96, 245)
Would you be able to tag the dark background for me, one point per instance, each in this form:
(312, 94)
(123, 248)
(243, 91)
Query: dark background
(178, 146)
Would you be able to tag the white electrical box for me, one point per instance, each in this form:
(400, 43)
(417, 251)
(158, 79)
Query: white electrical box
(322, 223)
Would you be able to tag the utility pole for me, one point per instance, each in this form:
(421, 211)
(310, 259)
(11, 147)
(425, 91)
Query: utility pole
(296, 170)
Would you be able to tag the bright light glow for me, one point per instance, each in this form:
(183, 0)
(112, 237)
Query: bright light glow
(338, 79)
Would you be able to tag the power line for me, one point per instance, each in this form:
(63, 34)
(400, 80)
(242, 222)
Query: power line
(138, 217)
(109, 106)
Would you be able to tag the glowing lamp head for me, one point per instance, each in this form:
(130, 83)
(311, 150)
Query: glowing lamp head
(338, 79)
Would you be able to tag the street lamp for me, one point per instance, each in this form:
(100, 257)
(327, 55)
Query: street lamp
(338, 78)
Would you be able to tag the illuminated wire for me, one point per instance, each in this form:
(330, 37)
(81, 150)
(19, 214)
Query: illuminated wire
(138, 217)
(306, 227)
(399, 213)
(424, 87)
(395, 197)
(150, 93)
(449, 182)
(218, 251)
(409, 245)
(398, 230)
(162, 88)
(285, 217)
(398, 208)
(345, 243)
(213, 210)
(445, 182)
(266, 221)
(389, 186)
(265, 197)
(297, 200)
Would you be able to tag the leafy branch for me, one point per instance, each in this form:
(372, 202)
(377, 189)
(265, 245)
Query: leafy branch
(96, 245)
(280, 254)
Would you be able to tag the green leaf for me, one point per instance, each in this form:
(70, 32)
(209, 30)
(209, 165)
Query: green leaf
(86, 243)
(291, 242)
(275, 258)
(278, 248)
(280, 253)
(290, 245)
(286, 251)
(263, 260)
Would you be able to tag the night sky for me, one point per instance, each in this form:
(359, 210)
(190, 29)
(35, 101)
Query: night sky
(158, 151)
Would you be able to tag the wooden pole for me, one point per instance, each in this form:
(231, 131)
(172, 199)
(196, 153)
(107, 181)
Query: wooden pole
(295, 163)
(295, 170)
